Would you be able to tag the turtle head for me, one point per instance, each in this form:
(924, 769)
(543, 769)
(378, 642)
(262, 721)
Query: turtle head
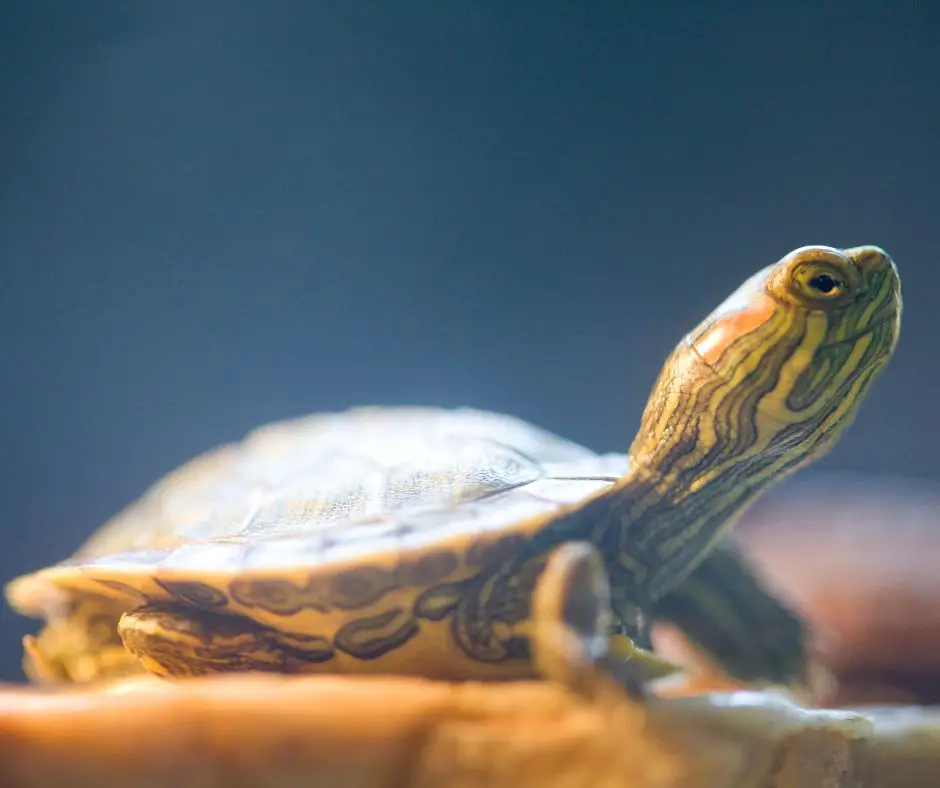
(777, 370)
(797, 346)
(769, 380)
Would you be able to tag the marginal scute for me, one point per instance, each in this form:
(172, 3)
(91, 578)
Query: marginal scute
(494, 550)
(193, 593)
(360, 587)
(491, 611)
(374, 636)
(435, 603)
(425, 570)
(124, 589)
(510, 592)
(280, 597)
(314, 649)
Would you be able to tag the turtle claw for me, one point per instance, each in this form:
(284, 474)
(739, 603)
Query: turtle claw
(644, 662)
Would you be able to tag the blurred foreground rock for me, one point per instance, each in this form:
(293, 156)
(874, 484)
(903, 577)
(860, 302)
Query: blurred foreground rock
(241, 731)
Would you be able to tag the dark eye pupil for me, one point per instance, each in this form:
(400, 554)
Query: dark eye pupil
(823, 283)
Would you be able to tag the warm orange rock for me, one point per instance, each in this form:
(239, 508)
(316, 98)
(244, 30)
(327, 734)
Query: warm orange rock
(278, 731)
(245, 731)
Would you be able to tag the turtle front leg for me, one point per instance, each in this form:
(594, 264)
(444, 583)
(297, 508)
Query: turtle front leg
(573, 625)
(173, 641)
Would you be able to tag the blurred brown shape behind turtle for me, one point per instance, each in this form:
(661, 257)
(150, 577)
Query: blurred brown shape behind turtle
(857, 556)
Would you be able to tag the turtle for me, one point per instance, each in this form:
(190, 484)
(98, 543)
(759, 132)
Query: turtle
(410, 540)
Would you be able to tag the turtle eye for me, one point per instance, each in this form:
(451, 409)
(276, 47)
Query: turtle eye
(822, 282)
(825, 284)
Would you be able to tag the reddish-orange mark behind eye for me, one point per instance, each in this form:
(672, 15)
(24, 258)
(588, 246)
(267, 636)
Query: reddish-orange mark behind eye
(715, 339)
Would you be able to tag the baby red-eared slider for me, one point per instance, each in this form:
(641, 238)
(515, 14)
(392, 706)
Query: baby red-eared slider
(411, 540)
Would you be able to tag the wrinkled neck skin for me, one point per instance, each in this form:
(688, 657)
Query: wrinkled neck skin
(718, 433)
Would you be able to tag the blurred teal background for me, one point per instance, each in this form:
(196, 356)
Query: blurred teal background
(217, 214)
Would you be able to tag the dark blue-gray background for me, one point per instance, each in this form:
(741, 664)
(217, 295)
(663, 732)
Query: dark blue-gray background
(213, 215)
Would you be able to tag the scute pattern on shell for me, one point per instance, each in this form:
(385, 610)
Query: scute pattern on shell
(335, 487)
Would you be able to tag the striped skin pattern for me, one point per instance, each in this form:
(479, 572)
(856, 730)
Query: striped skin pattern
(323, 546)
(765, 385)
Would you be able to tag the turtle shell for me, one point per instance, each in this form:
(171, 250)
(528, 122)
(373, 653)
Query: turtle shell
(347, 531)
